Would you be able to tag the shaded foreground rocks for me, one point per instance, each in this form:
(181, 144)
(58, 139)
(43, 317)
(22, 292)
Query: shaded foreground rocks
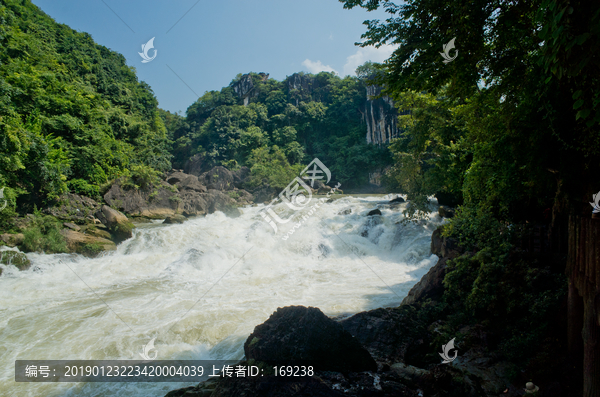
(382, 352)
(298, 335)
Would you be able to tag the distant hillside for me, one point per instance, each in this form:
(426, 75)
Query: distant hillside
(73, 115)
(267, 124)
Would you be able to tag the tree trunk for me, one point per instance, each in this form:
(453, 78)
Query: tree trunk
(591, 350)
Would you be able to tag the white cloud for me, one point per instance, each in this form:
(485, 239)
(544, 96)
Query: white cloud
(367, 54)
(316, 67)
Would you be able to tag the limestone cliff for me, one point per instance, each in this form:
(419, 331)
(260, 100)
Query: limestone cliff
(245, 87)
(381, 117)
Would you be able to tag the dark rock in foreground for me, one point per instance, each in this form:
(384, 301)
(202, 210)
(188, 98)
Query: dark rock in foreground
(446, 212)
(397, 200)
(374, 212)
(298, 335)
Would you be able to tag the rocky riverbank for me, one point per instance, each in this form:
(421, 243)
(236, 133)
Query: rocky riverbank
(82, 225)
(381, 352)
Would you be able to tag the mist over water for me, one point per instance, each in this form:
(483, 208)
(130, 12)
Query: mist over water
(201, 287)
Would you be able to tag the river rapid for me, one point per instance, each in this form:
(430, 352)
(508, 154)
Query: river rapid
(201, 287)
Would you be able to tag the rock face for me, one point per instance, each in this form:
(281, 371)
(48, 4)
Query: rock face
(74, 208)
(381, 117)
(302, 87)
(431, 285)
(245, 88)
(196, 165)
(218, 178)
(298, 335)
(390, 335)
(86, 244)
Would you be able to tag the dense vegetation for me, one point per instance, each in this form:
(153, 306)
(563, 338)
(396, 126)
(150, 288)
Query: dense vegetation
(281, 127)
(73, 115)
(510, 128)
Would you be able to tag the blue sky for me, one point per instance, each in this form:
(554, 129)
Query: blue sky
(205, 44)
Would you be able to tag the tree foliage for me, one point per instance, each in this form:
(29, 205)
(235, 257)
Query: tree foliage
(73, 115)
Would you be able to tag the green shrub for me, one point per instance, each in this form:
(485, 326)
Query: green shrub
(82, 187)
(43, 235)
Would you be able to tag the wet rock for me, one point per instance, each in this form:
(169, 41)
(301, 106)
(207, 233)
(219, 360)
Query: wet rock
(72, 226)
(17, 259)
(12, 240)
(347, 211)
(117, 223)
(219, 201)
(446, 212)
(298, 335)
(174, 219)
(374, 212)
(431, 285)
(397, 200)
(97, 231)
(192, 203)
(85, 244)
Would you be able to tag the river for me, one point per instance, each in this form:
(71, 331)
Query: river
(201, 287)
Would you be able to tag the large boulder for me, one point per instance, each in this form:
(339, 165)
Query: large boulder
(240, 177)
(298, 335)
(12, 240)
(74, 208)
(391, 335)
(196, 165)
(86, 244)
(431, 285)
(15, 258)
(218, 178)
(185, 182)
(219, 201)
(170, 220)
(154, 203)
(117, 223)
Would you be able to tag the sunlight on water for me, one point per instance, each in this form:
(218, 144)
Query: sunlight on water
(55, 310)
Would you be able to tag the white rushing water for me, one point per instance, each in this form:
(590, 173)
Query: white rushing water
(201, 287)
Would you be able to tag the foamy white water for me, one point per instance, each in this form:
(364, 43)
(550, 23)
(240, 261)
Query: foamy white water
(231, 272)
